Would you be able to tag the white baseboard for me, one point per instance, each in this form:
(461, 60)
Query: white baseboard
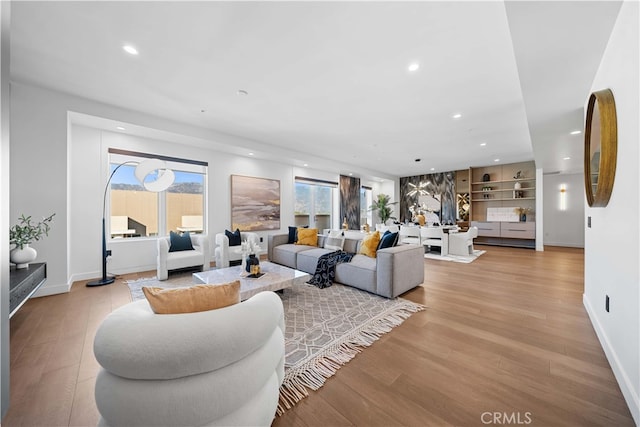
(626, 385)
(136, 269)
(46, 290)
(565, 245)
(111, 272)
(83, 276)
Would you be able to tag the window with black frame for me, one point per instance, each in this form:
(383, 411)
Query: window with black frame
(135, 212)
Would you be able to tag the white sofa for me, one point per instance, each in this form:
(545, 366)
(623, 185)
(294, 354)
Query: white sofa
(199, 256)
(224, 253)
(220, 367)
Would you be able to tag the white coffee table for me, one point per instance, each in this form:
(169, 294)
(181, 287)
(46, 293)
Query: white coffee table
(276, 277)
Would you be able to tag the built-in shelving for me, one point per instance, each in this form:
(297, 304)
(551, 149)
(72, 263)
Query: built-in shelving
(499, 192)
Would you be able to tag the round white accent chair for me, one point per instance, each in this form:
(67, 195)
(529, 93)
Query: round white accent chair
(220, 367)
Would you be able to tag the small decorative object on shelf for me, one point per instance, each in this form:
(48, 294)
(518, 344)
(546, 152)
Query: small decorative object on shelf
(22, 235)
(523, 213)
(517, 185)
(519, 175)
(486, 177)
(345, 224)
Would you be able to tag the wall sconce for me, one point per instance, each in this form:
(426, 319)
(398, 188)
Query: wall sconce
(563, 197)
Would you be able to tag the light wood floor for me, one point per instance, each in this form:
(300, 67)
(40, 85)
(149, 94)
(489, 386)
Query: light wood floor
(505, 334)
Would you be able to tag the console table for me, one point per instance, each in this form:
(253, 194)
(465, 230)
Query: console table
(25, 282)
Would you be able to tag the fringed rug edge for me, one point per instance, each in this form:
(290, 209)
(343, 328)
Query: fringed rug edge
(313, 373)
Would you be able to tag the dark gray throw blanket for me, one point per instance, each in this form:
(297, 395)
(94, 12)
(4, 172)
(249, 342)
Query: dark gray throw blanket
(326, 268)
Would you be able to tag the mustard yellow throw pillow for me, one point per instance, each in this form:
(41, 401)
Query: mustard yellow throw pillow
(370, 244)
(307, 236)
(192, 299)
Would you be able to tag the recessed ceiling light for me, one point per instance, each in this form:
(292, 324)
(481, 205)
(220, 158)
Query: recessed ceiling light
(251, 154)
(130, 49)
(350, 173)
(483, 144)
(414, 66)
(120, 128)
(242, 92)
(457, 116)
(305, 165)
(576, 132)
(566, 158)
(433, 169)
(496, 160)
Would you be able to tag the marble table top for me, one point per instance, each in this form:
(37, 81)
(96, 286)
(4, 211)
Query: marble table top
(276, 277)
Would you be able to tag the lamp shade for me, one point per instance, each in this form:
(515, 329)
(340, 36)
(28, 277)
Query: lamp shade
(165, 177)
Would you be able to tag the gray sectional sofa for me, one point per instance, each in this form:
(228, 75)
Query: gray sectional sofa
(394, 271)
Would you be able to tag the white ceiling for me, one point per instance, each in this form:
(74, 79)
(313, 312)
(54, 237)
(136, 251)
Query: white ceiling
(328, 81)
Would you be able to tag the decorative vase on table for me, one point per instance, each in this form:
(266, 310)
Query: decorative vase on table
(22, 257)
(252, 259)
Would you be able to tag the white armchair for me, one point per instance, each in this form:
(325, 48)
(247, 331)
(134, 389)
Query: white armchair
(462, 243)
(199, 256)
(225, 253)
(435, 236)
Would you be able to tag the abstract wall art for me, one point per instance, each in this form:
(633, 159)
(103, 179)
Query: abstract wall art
(255, 203)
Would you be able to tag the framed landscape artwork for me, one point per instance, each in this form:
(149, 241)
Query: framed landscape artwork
(255, 203)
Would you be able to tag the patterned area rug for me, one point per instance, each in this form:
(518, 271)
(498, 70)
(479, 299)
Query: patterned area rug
(455, 258)
(325, 329)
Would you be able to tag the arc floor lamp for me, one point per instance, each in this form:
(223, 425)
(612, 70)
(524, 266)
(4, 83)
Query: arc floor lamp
(144, 173)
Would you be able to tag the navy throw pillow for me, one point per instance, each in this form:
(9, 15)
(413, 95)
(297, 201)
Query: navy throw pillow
(234, 238)
(293, 234)
(388, 240)
(180, 242)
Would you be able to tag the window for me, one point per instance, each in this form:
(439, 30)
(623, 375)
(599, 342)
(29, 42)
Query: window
(366, 200)
(313, 203)
(136, 212)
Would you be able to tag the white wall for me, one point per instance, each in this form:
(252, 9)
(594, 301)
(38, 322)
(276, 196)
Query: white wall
(564, 227)
(89, 171)
(62, 168)
(612, 244)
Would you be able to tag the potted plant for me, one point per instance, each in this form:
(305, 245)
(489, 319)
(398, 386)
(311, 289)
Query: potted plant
(23, 234)
(383, 206)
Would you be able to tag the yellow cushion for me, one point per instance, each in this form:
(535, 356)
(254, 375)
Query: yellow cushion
(370, 244)
(192, 299)
(307, 236)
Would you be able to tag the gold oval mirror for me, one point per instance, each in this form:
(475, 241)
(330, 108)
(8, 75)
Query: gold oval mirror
(600, 148)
